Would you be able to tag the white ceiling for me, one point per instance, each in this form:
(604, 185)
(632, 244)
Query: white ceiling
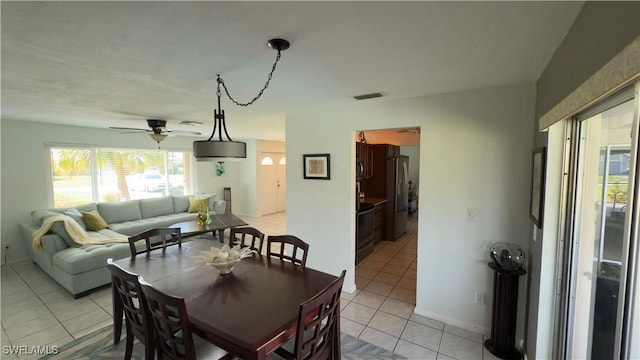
(102, 64)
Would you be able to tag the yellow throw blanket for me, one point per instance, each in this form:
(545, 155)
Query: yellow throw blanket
(74, 230)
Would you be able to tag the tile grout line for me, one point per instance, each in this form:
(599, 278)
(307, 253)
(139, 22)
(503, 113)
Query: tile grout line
(43, 303)
(60, 322)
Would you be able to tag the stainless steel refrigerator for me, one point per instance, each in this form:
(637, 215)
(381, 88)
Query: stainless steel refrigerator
(398, 196)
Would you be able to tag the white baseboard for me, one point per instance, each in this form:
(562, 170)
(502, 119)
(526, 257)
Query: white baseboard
(15, 261)
(455, 322)
(349, 288)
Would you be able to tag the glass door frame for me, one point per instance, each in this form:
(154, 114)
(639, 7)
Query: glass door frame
(566, 233)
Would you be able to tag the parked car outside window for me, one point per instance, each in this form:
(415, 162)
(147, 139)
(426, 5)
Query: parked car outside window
(147, 181)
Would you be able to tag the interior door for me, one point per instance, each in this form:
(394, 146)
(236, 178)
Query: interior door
(272, 183)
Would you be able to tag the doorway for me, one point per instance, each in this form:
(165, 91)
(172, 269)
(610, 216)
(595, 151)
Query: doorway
(599, 261)
(272, 182)
(390, 271)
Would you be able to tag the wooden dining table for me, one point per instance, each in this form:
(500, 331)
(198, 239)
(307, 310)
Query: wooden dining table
(249, 313)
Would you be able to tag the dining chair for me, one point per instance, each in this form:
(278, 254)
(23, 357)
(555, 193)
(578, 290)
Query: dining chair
(138, 320)
(318, 328)
(155, 239)
(289, 244)
(174, 338)
(240, 235)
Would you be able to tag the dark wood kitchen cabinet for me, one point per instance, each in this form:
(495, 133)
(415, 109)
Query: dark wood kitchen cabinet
(364, 152)
(380, 229)
(380, 216)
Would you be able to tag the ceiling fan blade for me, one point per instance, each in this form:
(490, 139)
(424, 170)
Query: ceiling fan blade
(184, 132)
(127, 128)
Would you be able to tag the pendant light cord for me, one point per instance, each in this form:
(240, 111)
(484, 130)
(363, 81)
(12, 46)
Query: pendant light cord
(266, 85)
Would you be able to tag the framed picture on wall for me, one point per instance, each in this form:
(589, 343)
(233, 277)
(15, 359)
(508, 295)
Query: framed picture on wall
(317, 166)
(537, 185)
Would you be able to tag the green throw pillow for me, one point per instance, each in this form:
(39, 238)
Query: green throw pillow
(94, 221)
(198, 204)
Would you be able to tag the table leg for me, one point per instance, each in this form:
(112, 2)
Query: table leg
(117, 314)
(221, 236)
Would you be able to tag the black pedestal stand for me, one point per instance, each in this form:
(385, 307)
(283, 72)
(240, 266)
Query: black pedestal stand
(503, 323)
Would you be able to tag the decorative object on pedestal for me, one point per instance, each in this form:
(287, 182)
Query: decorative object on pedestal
(224, 259)
(507, 260)
(507, 256)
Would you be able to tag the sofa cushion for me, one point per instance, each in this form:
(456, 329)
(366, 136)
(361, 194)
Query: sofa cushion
(57, 228)
(131, 228)
(212, 199)
(76, 215)
(156, 206)
(81, 259)
(94, 221)
(38, 216)
(87, 207)
(218, 206)
(117, 212)
(180, 203)
(197, 204)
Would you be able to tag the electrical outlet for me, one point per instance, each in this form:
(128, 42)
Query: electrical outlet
(480, 298)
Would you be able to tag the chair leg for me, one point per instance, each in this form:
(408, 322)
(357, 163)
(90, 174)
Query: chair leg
(117, 314)
(129, 348)
(149, 349)
(337, 341)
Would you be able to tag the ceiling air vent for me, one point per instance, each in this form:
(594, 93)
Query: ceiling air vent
(368, 96)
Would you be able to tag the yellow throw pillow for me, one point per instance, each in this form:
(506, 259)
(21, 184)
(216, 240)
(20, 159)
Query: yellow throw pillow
(198, 204)
(93, 220)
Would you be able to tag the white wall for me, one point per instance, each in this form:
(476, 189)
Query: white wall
(475, 151)
(240, 176)
(24, 177)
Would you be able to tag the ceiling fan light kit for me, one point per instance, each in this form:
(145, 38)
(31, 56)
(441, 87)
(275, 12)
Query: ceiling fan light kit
(221, 149)
(158, 137)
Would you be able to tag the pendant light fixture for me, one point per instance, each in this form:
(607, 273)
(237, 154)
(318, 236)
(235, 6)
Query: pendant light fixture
(221, 149)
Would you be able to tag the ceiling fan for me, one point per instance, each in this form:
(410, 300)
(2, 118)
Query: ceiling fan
(158, 130)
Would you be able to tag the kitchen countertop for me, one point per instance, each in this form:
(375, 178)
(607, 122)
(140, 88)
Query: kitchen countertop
(374, 201)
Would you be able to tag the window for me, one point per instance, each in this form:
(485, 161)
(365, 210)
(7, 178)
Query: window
(82, 175)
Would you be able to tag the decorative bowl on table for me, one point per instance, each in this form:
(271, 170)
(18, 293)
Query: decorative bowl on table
(224, 259)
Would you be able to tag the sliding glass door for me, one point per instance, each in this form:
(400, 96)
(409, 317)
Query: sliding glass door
(601, 262)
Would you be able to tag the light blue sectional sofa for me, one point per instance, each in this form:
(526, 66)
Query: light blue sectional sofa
(80, 269)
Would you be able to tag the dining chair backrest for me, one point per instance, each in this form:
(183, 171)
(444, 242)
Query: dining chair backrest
(248, 237)
(138, 320)
(318, 328)
(291, 248)
(174, 339)
(158, 238)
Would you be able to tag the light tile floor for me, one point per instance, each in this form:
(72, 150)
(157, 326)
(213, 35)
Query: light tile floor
(381, 310)
(36, 311)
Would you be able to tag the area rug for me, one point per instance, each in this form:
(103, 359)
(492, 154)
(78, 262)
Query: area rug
(99, 345)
